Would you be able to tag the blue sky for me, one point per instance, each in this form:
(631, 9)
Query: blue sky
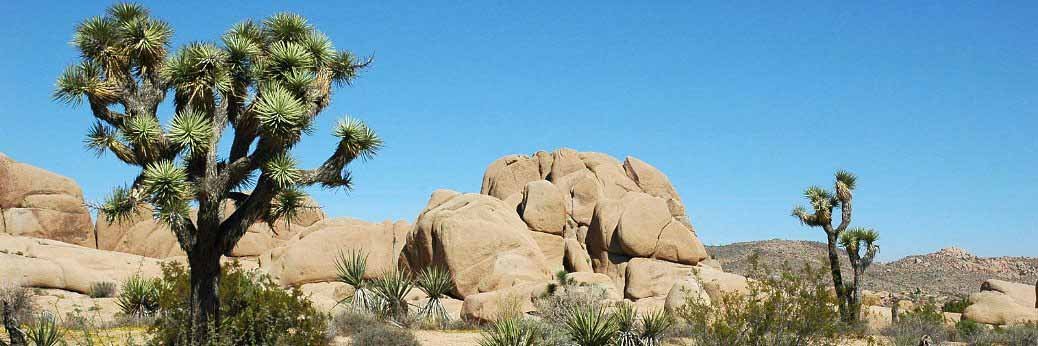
(930, 102)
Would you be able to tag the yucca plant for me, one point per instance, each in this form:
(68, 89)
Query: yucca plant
(240, 103)
(654, 325)
(591, 326)
(139, 297)
(626, 325)
(436, 282)
(510, 332)
(350, 269)
(391, 291)
(44, 331)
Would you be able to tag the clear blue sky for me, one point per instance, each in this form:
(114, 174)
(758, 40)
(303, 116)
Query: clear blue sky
(930, 102)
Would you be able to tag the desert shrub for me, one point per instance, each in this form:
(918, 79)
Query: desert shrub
(791, 307)
(352, 322)
(18, 299)
(383, 335)
(1017, 335)
(254, 310)
(957, 305)
(389, 301)
(139, 297)
(102, 289)
(924, 319)
(44, 331)
(967, 329)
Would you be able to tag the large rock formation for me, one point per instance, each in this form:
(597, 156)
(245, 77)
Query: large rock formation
(45, 263)
(1002, 303)
(40, 204)
(565, 210)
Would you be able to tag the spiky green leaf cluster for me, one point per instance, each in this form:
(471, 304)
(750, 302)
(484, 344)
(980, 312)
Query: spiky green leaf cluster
(120, 205)
(196, 71)
(846, 178)
(855, 237)
(82, 81)
(192, 130)
(286, 205)
(167, 188)
(101, 137)
(510, 332)
(280, 113)
(590, 326)
(282, 170)
(435, 281)
(350, 268)
(124, 42)
(357, 139)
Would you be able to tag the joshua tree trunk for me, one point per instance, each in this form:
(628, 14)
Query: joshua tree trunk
(834, 267)
(205, 302)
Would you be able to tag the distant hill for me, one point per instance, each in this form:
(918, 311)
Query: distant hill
(948, 272)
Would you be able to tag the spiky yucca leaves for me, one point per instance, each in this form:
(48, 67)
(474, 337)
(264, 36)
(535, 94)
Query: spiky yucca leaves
(350, 269)
(192, 130)
(282, 169)
(591, 326)
(288, 202)
(44, 331)
(392, 289)
(510, 332)
(139, 297)
(654, 325)
(358, 140)
(436, 282)
(626, 325)
(119, 205)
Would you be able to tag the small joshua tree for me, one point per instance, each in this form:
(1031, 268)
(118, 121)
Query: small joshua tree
(261, 87)
(855, 241)
(822, 204)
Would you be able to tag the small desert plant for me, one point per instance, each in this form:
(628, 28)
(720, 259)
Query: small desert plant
(654, 325)
(924, 319)
(967, 329)
(352, 322)
(18, 300)
(511, 332)
(44, 331)
(391, 292)
(957, 305)
(102, 289)
(436, 282)
(383, 335)
(789, 308)
(1022, 335)
(139, 297)
(590, 326)
(350, 269)
(626, 325)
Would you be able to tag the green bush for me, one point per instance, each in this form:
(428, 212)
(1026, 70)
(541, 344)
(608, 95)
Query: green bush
(352, 322)
(102, 289)
(139, 297)
(383, 335)
(924, 319)
(967, 329)
(254, 310)
(790, 307)
(1022, 335)
(957, 305)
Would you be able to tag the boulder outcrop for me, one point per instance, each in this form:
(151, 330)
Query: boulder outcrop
(45, 263)
(41, 204)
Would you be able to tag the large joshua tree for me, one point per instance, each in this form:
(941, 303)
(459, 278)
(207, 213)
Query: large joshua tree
(823, 202)
(261, 86)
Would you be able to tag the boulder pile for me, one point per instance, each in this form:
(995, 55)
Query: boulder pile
(41, 204)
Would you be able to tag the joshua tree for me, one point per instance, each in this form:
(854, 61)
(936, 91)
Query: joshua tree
(855, 240)
(267, 81)
(822, 203)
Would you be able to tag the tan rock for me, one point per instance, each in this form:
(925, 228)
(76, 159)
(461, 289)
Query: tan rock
(576, 258)
(997, 308)
(678, 243)
(46, 263)
(564, 162)
(951, 318)
(543, 207)
(554, 249)
(64, 304)
(140, 234)
(480, 241)
(650, 179)
(599, 281)
(653, 278)
(876, 318)
(607, 170)
(327, 296)
(38, 203)
(508, 175)
(311, 258)
(718, 283)
(582, 192)
(683, 290)
(650, 305)
(641, 223)
(1022, 294)
(491, 306)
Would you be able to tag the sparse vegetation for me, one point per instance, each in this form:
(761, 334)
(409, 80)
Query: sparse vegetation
(956, 305)
(102, 289)
(383, 335)
(44, 331)
(923, 319)
(791, 307)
